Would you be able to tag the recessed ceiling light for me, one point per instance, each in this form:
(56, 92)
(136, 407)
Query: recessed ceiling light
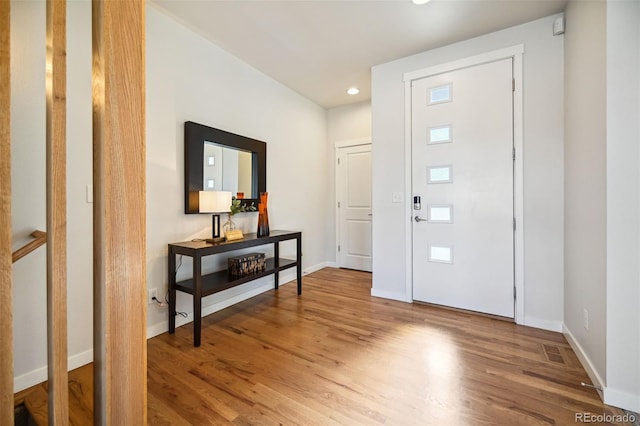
(353, 90)
(420, 1)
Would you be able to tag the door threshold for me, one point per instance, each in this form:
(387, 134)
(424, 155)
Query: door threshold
(467, 311)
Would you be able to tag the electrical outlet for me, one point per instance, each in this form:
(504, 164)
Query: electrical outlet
(89, 193)
(585, 319)
(152, 292)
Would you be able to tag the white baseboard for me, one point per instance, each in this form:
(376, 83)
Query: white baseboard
(40, 375)
(609, 395)
(620, 399)
(596, 380)
(78, 360)
(389, 295)
(318, 267)
(544, 324)
(29, 379)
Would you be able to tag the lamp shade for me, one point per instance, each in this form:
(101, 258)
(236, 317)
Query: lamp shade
(214, 201)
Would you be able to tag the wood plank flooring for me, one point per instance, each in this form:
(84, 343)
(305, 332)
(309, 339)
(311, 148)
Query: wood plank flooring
(337, 356)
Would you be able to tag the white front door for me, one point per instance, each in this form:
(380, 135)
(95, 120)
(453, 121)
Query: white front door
(462, 170)
(353, 184)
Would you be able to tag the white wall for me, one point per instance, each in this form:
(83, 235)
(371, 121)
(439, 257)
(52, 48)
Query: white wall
(585, 180)
(623, 204)
(80, 174)
(344, 123)
(28, 187)
(349, 122)
(543, 165)
(189, 78)
(602, 158)
(28, 210)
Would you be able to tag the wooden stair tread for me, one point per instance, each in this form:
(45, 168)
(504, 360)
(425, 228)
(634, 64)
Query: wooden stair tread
(80, 398)
(36, 403)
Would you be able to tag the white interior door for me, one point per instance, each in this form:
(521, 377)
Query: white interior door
(462, 169)
(353, 182)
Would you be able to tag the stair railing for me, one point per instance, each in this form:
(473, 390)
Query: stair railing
(40, 238)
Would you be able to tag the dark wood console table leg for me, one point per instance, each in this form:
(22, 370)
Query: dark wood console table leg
(299, 261)
(172, 292)
(197, 299)
(276, 260)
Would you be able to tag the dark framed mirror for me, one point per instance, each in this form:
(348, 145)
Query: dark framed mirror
(216, 160)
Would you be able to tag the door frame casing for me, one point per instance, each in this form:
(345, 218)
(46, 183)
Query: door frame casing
(336, 149)
(515, 53)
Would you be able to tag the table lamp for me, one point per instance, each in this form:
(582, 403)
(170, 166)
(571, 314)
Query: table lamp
(214, 202)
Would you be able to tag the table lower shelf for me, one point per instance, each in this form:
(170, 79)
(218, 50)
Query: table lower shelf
(221, 280)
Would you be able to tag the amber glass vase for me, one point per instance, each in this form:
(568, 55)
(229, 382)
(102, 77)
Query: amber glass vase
(263, 216)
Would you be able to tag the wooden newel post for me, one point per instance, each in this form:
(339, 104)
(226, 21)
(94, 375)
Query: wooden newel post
(6, 286)
(120, 357)
(56, 159)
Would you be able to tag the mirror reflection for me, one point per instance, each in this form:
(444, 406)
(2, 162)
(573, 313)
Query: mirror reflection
(217, 160)
(227, 169)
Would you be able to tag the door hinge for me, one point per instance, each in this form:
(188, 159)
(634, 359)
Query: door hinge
(514, 223)
(338, 204)
(338, 161)
(514, 293)
(513, 85)
(513, 153)
(338, 248)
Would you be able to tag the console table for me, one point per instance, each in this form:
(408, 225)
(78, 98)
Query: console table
(200, 286)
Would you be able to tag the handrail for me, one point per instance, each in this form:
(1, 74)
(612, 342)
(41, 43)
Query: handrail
(40, 239)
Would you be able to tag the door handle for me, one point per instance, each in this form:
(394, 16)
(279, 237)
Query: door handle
(419, 219)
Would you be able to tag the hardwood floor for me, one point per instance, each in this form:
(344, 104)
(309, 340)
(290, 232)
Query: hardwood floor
(336, 355)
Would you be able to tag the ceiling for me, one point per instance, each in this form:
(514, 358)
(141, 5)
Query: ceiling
(319, 48)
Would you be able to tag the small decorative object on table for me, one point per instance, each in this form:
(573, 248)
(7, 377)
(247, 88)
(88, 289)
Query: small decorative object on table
(236, 207)
(234, 234)
(228, 226)
(247, 264)
(263, 216)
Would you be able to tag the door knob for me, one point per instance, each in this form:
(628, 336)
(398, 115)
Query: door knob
(419, 219)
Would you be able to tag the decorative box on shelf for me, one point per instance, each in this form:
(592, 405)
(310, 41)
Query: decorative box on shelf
(247, 264)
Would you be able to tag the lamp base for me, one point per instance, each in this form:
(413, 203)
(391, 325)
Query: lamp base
(215, 226)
